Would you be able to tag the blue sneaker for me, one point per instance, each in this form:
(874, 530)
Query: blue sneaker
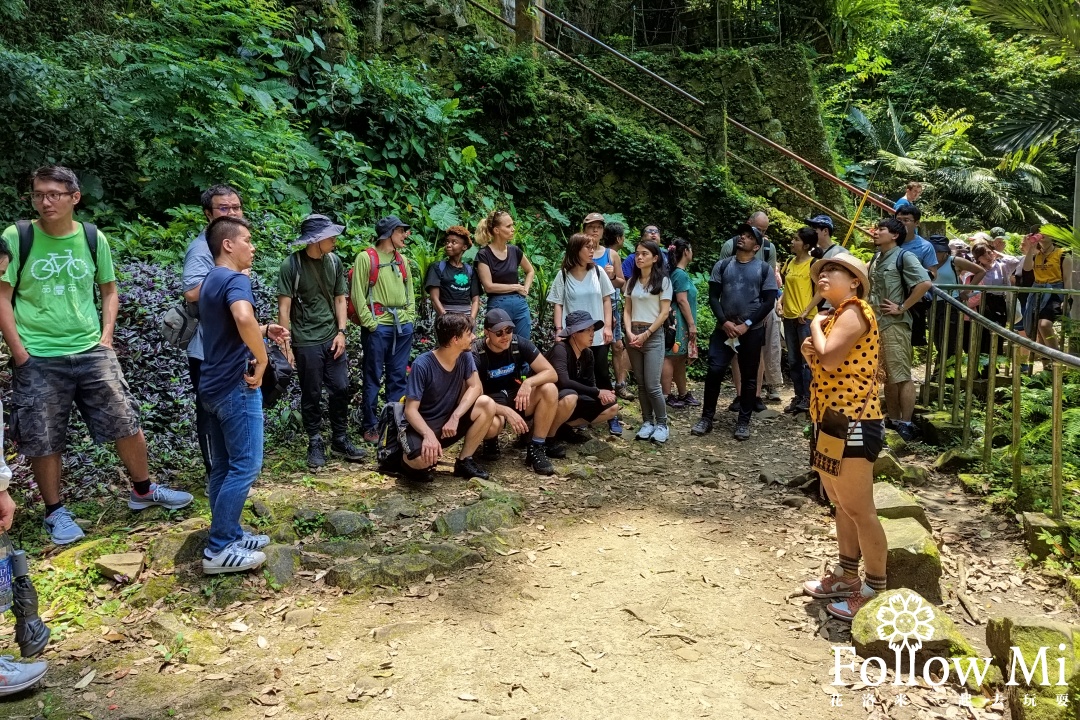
(161, 496)
(615, 427)
(16, 677)
(62, 528)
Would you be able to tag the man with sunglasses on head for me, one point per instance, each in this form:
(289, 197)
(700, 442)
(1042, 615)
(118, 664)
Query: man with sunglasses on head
(217, 201)
(62, 349)
(522, 383)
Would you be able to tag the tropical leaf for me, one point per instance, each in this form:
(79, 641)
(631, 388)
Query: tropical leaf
(1055, 21)
(1047, 118)
(444, 214)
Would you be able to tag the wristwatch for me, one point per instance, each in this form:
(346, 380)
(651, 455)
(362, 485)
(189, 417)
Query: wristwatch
(341, 331)
(749, 323)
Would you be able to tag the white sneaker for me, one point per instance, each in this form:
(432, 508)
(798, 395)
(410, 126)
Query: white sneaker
(16, 677)
(660, 435)
(232, 559)
(253, 542)
(646, 431)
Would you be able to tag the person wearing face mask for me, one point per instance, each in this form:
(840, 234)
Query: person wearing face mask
(312, 305)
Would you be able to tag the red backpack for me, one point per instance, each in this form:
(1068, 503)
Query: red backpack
(373, 277)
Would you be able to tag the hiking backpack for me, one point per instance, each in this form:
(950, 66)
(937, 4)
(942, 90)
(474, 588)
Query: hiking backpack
(393, 443)
(373, 277)
(25, 229)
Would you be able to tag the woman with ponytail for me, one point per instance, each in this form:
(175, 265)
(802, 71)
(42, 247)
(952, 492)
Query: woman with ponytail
(680, 254)
(499, 265)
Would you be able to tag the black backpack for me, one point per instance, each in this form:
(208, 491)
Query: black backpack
(479, 348)
(25, 229)
(393, 441)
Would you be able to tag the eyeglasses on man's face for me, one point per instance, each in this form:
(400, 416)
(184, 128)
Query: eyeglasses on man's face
(38, 197)
(229, 209)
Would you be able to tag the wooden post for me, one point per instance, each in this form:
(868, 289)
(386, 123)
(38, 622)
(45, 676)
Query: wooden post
(530, 24)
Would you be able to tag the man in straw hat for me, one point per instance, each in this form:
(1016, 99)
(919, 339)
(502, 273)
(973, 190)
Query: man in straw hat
(312, 304)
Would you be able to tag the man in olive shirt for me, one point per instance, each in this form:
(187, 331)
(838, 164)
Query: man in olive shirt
(386, 313)
(890, 277)
(312, 305)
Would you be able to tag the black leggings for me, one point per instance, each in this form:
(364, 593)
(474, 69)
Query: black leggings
(601, 366)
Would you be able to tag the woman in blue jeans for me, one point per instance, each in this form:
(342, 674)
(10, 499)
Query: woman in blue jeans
(499, 264)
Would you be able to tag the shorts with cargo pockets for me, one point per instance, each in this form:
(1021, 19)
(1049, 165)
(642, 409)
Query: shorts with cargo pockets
(896, 353)
(43, 389)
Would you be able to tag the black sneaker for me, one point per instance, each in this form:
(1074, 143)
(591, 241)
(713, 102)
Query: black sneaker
(702, 427)
(343, 446)
(316, 452)
(490, 449)
(572, 435)
(735, 406)
(906, 430)
(554, 449)
(537, 461)
(467, 468)
(742, 431)
(759, 406)
(413, 475)
(792, 407)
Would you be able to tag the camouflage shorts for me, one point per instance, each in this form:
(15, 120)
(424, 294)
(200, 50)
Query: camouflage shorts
(44, 389)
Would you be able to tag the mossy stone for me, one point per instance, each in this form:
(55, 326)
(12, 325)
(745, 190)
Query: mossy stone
(913, 560)
(282, 562)
(154, 589)
(894, 503)
(955, 459)
(938, 634)
(346, 523)
(897, 445)
(174, 549)
(490, 514)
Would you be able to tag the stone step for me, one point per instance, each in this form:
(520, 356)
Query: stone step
(914, 561)
(1034, 525)
(894, 503)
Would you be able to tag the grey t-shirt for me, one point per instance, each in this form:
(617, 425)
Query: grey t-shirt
(741, 287)
(437, 390)
(197, 263)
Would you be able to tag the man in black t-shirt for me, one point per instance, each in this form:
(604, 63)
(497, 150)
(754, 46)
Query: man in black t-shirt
(522, 383)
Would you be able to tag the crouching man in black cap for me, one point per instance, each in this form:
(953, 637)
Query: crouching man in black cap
(444, 403)
(522, 383)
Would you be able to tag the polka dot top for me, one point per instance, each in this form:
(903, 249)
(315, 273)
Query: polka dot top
(845, 389)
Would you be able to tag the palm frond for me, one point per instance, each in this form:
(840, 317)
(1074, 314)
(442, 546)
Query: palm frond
(1057, 22)
(863, 126)
(1046, 118)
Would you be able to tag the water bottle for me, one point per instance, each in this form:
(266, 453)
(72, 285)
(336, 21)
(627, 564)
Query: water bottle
(7, 551)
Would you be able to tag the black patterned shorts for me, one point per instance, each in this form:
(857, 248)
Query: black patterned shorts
(43, 390)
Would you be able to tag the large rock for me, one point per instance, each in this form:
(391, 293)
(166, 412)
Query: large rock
(322, 555)
(889, 467)
(602, 451)
(121, 567)
(1032, 638)
(1036, 523)
(167, 629)
(487, 514)
(956, 458)
(897, 445)
(893, 503)
(154, 589)
(400, 569)
(895, 615)
(490, 490)
(177, 548)
(346, 523)
(393, 507)
(282, 562)
(938, 428)
(914, 561)
(975, 483)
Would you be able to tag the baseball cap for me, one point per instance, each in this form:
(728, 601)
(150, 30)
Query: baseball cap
(497, 319)
(821, 221)
(592, 218)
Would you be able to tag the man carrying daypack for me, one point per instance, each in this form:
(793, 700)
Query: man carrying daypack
(382, 293)
(62, 349)
(312, 306)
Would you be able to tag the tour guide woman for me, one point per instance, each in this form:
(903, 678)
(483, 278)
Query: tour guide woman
(497, 265)
(842, 352)
(648, 299)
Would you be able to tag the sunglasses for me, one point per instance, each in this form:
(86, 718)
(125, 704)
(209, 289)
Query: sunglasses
(652, 231)
(502, 333)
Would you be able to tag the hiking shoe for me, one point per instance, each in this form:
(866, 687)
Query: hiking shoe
(645, 431)
(660, 435)
(234, 558)
(735, 406)
(316, 452)
(674, 402)
(742, 431)
(701, 427)
(16, 677)
(371, 435)
(614, 426)
(343, 446)
(411, 474)
(537, 461)
(62, 528)
(792, 407)
(572, 435)
(161, 496)
(467, 468)
(489, 450)
(690, 400)
(803, 406)
(906, 430)
(759, 406)
(846, 610)
(770, 394)
(253, 542)
(554, 449)
(832, 585)
(624, 392)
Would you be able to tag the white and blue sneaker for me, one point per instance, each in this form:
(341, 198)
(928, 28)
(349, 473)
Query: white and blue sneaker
(234, 558)
(16, 677)
(62, 528)
(161, 496)
(646, 431)
(253, 542)
(660, 435)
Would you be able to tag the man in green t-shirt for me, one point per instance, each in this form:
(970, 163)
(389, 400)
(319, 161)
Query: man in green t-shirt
(63, 352)
(312, 305)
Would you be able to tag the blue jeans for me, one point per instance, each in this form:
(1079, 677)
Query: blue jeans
(517, 307)
(794, 334)
(235, 434)
(386, 352)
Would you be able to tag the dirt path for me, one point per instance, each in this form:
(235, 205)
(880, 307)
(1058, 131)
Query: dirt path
(634, 592)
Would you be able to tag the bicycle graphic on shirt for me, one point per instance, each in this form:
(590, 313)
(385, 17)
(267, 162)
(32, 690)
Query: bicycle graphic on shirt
(56, 263)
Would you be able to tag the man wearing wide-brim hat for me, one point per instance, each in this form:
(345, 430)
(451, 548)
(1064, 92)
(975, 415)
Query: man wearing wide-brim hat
(312, 305)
